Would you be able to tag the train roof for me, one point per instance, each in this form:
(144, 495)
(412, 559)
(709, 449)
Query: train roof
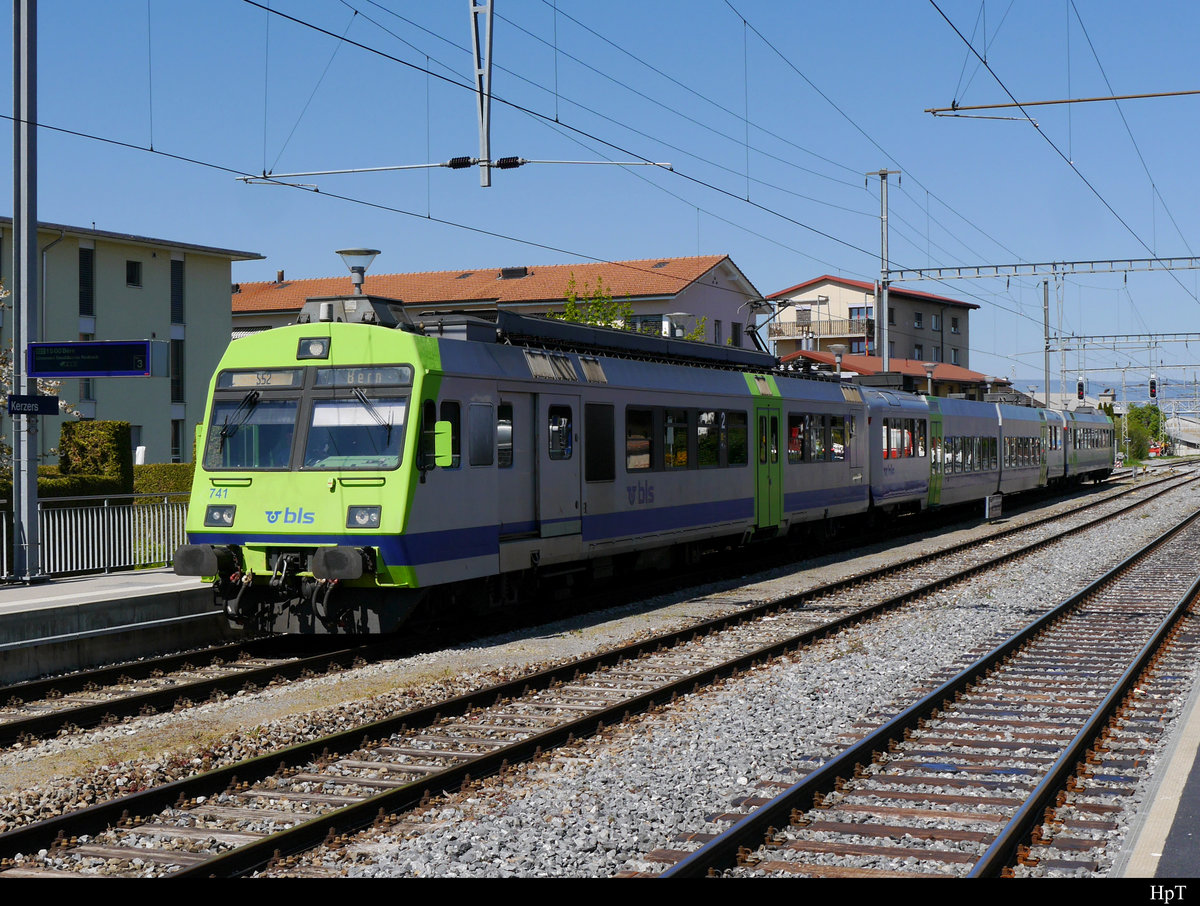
(513, 329)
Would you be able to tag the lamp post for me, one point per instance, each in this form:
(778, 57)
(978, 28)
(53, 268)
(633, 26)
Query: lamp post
(929, 366)
(358, 260)
(838, 350)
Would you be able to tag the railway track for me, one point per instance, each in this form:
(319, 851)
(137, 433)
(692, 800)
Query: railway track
(225, 821)
(102, 696)
(1013, 765)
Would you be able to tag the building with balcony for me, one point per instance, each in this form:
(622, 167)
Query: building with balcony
(827, 311)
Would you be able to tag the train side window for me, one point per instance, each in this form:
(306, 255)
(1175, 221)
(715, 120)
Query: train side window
(837, 437)
(774, 440)
(482, 437)
(922, 433)
(762, 439)
(452, 413)
(675, 439)
(795, 438)
(504, 435)
(558, 432)
(639, 428)
(599, 460)
(736, 439)
(817, 447)
(428, 418)
(708, 440)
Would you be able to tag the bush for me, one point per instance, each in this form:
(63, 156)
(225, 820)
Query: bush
(97, 448)
(163, 478)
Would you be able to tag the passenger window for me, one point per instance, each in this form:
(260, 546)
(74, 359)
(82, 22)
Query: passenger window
(675, 439)
(737, 439)
(795, 439)
(558, 433)
(599, 461)
(708, 440)
(483, 440)
(639, 424)
(837, 436)
(451, 412)
(504, 436)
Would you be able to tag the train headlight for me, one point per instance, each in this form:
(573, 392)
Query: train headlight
(313, 348)
(219, 516)
(363, 517)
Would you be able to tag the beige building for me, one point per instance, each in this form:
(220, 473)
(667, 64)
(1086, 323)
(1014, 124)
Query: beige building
(673, 296)
(825, 311)
(99, 285)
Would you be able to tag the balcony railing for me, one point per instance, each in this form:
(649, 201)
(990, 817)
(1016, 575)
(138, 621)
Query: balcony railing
(833, 327)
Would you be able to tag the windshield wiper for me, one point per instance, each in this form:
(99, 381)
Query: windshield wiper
(245, 407)
(374, 413)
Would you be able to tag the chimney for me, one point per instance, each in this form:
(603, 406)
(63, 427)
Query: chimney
(279, 276)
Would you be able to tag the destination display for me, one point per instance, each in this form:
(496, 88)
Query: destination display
(102, 358)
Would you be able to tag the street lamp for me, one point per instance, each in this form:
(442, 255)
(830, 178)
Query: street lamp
(838, 350)
(929, 366)
(358, 260)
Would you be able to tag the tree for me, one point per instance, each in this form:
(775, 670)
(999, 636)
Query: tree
(596, 306)
(1143, 424)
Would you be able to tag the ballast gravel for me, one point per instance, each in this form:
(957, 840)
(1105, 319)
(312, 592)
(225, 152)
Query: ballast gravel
(598, 807)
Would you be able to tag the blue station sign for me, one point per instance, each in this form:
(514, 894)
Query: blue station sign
(20, 404)
(100, 358)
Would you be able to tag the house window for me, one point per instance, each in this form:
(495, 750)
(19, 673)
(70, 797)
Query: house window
(735, 334)
(87, 283)
(176, 440)
(133, 273)
(891, 349)
(953, 355)
(177, 372)
(87, 386)
(935, 322)
(954, 325)
(918, 351)
(935, 354)
(858, 347)
(176, 292)
(717, 332)
(891, 315)
(861, 312)
(918, 320)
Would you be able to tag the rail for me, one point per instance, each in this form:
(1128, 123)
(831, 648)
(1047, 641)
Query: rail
(80, 535)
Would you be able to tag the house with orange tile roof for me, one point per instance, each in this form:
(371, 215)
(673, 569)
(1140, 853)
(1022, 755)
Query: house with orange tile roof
(828, 311)
(668, 295)
(905, 374)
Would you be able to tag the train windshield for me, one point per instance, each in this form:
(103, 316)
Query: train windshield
(359, 433)
(250, 433)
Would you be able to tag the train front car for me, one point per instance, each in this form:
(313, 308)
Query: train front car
(306, 467)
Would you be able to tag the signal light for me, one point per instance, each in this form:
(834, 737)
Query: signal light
(1153, 388)
(1079, 390)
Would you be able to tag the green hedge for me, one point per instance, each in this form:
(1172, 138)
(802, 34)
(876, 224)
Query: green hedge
(97, 448)
(163, 478)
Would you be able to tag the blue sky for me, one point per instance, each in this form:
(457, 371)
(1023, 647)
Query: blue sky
(771, 113)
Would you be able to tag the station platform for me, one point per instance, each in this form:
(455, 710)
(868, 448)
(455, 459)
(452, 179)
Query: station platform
(58, 624)
(1164, 841)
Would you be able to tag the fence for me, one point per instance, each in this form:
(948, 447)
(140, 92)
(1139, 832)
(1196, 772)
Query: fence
(102, 534)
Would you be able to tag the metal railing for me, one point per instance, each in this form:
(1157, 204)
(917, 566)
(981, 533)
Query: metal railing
(835, 327)
(103, 534)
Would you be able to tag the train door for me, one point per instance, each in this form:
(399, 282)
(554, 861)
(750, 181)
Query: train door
(558, 456)
(936, 456)
(516, 465)
(768, 474)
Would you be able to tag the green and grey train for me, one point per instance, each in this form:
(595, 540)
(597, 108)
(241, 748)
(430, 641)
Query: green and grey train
(355, 465)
